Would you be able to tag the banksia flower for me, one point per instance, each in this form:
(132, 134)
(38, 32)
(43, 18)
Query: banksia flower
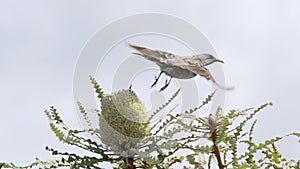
(123, 121)
(214, 121)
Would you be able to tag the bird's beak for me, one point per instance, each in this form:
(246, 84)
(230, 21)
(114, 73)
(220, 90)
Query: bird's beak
(217, 60)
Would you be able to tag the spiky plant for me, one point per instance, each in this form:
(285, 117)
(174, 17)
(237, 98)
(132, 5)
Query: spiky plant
(132, 140)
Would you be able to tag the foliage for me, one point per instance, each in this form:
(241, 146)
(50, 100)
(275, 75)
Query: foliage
(223, 140)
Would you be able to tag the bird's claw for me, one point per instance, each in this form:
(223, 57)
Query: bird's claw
(155, 82)
(166, 85)
(163, 88)
(156, 79)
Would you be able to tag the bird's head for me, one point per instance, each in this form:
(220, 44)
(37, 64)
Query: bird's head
(207, 59)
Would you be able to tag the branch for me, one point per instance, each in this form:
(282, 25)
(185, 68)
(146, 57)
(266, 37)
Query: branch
(217, 151)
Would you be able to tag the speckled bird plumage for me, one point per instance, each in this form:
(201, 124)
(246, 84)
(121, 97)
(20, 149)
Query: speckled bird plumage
(180, 67)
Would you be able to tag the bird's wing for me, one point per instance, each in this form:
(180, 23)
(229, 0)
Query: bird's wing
(198, 68)
(153, 55)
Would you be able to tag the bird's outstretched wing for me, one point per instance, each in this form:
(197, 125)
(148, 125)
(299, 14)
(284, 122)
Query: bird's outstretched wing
(156, 56)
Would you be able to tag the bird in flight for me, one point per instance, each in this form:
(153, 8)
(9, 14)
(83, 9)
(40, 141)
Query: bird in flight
(180, 67)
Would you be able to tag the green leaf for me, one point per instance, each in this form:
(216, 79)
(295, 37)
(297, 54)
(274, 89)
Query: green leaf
(97, 88)
(164, 105)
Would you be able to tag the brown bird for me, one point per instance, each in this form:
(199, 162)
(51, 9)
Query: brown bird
(180, 67)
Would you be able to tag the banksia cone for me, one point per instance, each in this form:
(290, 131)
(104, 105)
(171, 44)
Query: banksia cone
(123, 121)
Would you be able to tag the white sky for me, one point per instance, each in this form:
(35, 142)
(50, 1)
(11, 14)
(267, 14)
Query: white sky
(41, 40)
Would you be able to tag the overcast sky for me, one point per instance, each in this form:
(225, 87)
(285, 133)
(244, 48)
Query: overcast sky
(40, 42)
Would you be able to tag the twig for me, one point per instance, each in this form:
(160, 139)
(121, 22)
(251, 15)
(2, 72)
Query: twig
(217, 151)
(130, 163)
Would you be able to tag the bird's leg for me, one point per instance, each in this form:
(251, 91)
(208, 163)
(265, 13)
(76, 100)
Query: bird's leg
(166, 84)
(156, 79)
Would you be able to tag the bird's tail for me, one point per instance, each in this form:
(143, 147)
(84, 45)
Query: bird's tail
(209, 77)
(222, 87)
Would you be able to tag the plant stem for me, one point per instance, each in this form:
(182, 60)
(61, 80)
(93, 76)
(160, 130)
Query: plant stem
(217, 151)
(130, 161)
